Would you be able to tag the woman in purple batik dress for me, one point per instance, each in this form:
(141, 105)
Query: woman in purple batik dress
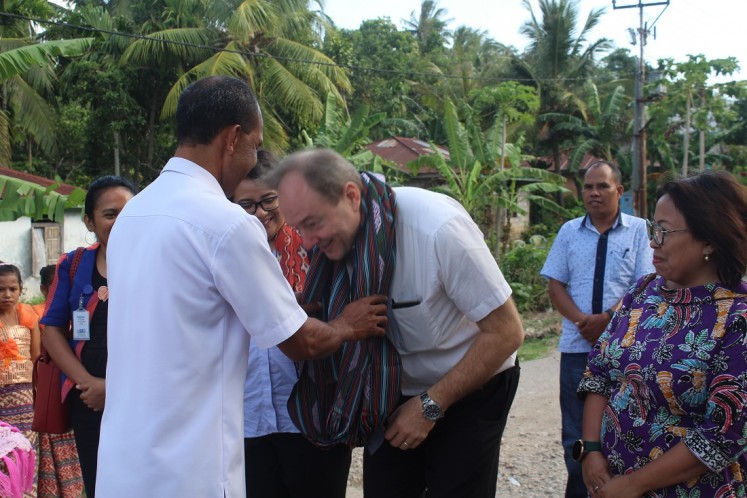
(666, 384)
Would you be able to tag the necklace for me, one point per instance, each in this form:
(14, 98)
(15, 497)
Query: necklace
(8, 323)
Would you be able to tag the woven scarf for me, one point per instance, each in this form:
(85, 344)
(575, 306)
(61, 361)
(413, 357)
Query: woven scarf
(345, 397)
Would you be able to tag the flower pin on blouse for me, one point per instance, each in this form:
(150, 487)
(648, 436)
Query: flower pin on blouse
(103, 293)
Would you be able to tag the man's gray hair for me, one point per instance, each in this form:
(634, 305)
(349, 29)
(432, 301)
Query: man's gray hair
(324, 170)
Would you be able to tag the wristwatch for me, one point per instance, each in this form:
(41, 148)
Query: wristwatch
(431, 410)
(581, 448)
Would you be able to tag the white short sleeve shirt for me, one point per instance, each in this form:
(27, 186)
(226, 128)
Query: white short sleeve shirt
(445, 280)
(189, 274)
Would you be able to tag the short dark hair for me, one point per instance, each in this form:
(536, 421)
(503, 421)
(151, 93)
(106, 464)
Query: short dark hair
(46, 275)
(11, 269)
(102, 184)
(324, 170)
(265, 163)
(209, 105)
(714, 205)
(603, 162)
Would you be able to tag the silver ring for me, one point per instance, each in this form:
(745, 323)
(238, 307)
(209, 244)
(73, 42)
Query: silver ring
(596, 488)
(404, 444)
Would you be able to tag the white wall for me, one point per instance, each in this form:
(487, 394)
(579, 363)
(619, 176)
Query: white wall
(74, 231)
(15, 246)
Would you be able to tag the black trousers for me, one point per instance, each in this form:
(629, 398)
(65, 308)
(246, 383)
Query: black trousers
(86, 429)
(284, 465)
(458, 459)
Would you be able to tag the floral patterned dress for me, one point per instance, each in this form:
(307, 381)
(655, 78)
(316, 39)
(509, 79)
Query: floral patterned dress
(673, 364)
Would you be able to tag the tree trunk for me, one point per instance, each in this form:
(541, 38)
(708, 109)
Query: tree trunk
(506, 236)
(686, 138)
(499, 213)
(29, 153)
(117, 146)
(702, 150)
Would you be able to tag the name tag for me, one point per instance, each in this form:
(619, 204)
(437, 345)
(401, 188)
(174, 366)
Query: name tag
(81, 328)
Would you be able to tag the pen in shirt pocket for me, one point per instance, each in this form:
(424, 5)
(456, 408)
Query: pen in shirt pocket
(625, 252)
(404, 304)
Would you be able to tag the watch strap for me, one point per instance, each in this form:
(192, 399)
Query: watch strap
(592, 446)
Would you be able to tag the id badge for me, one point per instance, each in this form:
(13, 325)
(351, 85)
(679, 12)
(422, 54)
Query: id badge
(81, 328)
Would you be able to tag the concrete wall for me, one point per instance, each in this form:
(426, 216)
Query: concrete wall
(15, 246)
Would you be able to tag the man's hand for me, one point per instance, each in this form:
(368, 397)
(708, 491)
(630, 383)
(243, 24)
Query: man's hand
(592, 326)
(408, 425)
(93, 393)
(363, 318)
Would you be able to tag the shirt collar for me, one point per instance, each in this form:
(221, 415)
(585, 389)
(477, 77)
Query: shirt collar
(186, 167)
(620, 221)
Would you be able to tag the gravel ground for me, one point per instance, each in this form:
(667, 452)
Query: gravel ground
(531, 453)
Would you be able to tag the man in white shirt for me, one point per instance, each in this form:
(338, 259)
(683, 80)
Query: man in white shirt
(455, 327)
(189, 274)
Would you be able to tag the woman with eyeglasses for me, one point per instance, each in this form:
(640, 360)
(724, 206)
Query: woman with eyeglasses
(279, 461)
(665, 410)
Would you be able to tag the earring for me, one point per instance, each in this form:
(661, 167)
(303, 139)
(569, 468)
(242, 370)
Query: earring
(707, 257)
(85, 238)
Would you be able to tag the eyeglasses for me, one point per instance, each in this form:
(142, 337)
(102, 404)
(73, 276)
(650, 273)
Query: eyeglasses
(657, 233)
(268, 204)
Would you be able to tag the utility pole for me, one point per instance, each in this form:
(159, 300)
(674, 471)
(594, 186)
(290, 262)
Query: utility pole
(640, 201)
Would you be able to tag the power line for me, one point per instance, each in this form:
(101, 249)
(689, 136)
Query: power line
(350, 67)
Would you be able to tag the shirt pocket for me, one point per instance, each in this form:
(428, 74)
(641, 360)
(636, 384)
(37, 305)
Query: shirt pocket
(410, 330)
(621, 265)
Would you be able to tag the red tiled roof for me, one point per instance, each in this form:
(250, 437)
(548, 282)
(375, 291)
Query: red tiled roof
(63, 188)
(402, 150)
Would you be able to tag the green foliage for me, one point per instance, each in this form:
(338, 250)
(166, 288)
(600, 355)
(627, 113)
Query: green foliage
(537, 347)
(345, 136)
(521, 266)
(22, 198)
(693, 106)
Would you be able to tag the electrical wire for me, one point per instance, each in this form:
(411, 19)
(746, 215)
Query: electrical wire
(350, 67)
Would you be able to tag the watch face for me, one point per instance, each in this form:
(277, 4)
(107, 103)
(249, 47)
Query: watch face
(431, 411)
(578, 450)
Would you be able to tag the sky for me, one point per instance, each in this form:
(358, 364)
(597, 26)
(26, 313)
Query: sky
(714, 28)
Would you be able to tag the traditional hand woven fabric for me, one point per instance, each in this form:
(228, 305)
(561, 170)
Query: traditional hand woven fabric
(344, 398)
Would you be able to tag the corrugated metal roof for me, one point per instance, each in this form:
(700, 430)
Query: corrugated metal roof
(402, 150)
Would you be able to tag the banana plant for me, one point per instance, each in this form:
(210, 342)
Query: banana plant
(24, 198)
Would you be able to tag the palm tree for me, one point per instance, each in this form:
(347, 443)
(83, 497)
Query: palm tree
(475, 57)
(27, 75)
(602, 128)
(429, 26)
(559, 59)
(270, 44)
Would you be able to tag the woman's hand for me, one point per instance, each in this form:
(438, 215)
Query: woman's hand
(596, 472)
(618, 487)
(93, 393)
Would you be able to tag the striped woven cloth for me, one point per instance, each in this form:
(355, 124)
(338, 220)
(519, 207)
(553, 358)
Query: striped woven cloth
(345, 397)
